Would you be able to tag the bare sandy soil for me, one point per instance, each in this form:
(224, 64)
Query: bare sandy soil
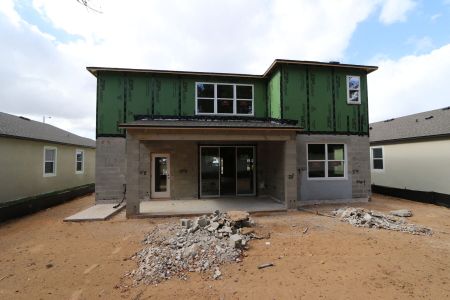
(42, 257)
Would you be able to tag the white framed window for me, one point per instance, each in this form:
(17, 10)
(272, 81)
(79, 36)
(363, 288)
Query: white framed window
(326, 161)
(224, 99)
(50, 158)
(79, 161)
(377, 158)
(353, 89)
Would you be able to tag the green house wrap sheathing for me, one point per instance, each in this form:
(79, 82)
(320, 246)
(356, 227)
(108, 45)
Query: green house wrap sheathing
(110, 105)
(314, 96)
(295, 95)
(274, 95)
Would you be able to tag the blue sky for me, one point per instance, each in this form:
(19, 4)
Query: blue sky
(426, 27)
(48, 43)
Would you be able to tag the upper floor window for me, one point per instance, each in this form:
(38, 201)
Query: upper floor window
(377, 158)
(224, 99)
(79, 161)
(353, 89)
(49, 161)
(327, 161)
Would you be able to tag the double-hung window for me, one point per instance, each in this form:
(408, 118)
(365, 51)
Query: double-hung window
(50, 161)
(327, 161)
(79, 161)
(353, 89)
(224, 99)
(377, 158)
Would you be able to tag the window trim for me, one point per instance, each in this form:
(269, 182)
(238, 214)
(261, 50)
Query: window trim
(348, 89)
(216, 99)
(372, 158)
(345, 177)
(55, 162)
(82, 161)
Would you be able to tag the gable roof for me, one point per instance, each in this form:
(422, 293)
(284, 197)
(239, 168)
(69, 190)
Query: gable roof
(427, 124)
(94, 70)
(20, 127)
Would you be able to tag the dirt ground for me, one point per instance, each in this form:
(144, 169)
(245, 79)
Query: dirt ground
(42, 257)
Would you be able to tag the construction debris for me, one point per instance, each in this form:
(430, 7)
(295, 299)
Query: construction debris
(401, 213)
(199, 245)
(360, 217)
(263, 266)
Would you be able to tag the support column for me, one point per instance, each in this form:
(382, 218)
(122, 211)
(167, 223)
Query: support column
(132, 177)
(290, 173)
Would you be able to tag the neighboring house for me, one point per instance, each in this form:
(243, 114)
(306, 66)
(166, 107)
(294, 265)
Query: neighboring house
(41, 165)
(298, 134)
(410, 156)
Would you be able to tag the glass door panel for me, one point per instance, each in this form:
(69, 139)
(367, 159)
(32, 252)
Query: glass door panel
(245, 172)
(210, 171)
(161, 174)
(227, 171)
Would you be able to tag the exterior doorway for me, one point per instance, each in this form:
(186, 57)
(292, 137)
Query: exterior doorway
(160, 175)
(227, 171)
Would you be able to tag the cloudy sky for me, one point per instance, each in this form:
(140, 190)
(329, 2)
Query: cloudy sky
(46, 45)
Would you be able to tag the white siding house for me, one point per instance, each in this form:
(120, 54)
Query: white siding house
(410, 156)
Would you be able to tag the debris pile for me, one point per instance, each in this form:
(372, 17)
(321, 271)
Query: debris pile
(198, 245)
(360, 217)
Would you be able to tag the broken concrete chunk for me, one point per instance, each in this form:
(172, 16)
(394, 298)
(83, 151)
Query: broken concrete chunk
(226, 229)
(247, 230)
(237, 215)
(213, 226)
(217, 273)
(236, 240)
(186, 223)
(401, 213)
(202, 221)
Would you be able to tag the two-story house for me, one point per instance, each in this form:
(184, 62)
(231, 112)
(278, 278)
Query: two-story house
(297, 134)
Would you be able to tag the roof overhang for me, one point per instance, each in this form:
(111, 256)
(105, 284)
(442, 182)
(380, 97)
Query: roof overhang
(368, 69)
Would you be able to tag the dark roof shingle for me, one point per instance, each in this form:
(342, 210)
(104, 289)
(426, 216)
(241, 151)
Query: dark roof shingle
(160, 123)
(425, 124)
(19, 127)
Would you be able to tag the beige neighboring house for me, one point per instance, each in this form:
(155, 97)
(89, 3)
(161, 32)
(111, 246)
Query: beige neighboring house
(41, 165)
(410, 156)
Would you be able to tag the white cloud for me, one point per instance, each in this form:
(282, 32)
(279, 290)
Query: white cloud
(410, 85)
(395, 10)
(434, 17)
(46, 76)
(421, 45)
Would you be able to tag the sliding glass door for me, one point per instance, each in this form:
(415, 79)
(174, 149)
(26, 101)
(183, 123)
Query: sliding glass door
(227, 171)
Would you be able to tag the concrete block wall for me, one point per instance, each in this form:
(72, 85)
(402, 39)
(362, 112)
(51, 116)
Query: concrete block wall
(110, 169)
(183, 168)
(271, 169)
(356, 187)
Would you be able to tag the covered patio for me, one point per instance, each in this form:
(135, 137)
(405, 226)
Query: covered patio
(179, 167)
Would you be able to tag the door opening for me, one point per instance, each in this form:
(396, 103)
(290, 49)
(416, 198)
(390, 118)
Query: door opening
(160, 175)
(227, 171)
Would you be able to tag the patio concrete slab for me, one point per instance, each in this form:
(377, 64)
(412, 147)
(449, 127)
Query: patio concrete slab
(207, 206)
(98, 212)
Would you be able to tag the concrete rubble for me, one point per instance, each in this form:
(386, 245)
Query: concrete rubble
(361, 217)
(198, 245)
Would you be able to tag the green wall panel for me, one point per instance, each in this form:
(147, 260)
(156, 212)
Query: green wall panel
(110, 111)
(187, 97)
(301, 91)
(139, 98)
(274, 95)
(295, 94)
(166, 94)
(350, 117)
(320, 99)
